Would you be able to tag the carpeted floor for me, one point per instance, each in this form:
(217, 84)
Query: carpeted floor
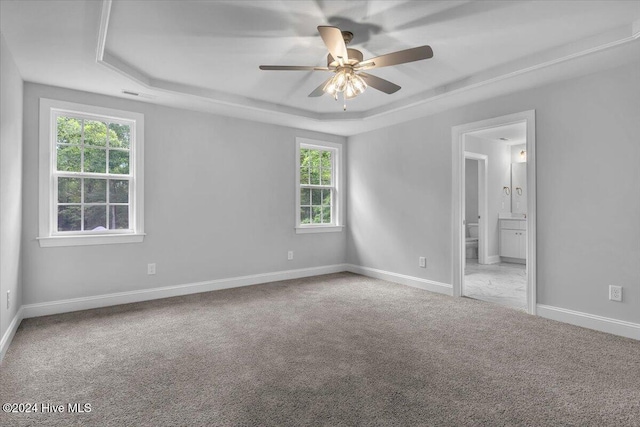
(332, 350)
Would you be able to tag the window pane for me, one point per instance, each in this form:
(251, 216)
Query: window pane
(304, 175)
(95, 190)
(326, 214)
(69, 218)
(118, 191)
(69, 190)
(314, 165)
(304, 166)
(95, 160)
(326, 197)
(305, 196)
(69, 130)
(316, 197)
(118, 217)
(119, 135)
(119, 162)
(305, 215)
(316, 215)
(326, 176)
(326, 159)
(69, 158)
(95, 217)
(95, 133)
(304, 157)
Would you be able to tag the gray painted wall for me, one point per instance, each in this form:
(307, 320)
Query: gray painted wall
(470, 192)
(219, 203)
(213, 214)
(10, 186)
(498, 176)
(588, 158)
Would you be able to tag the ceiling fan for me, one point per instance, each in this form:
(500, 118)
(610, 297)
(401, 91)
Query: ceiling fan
(348, 66)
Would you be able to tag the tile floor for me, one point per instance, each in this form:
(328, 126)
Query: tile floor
(502, 283)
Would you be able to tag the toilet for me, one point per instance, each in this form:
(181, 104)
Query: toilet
(472, 240)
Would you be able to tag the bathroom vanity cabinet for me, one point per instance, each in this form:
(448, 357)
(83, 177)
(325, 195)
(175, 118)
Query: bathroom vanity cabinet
(513, 239)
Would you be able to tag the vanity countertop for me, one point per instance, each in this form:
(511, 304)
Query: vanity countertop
(516, 217)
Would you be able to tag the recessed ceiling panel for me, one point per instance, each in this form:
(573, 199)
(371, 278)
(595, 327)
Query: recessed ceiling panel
(218, 45)
(204, 55)
(509, 134)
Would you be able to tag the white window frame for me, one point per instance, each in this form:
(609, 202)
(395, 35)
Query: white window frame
(338, 198)
(48, 233)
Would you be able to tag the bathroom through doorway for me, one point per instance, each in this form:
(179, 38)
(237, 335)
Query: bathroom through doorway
(501, 277)
(494, 243)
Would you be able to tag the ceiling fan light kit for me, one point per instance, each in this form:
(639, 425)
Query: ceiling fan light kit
(348, 66)
(345, 81)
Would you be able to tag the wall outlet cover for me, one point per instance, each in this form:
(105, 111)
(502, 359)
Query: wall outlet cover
(615, 293)
(422, 262)
(151, 268)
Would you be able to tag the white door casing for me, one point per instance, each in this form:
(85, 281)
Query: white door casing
(458, 236)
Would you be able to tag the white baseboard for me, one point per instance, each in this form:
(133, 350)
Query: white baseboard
(416, 282)
(493, 259)
(106, 300)
(591, 321)
(10, 332)
(604, 324)
(513, 260)
(86, 303)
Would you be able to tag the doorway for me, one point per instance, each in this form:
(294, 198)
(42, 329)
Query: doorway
(506, 224)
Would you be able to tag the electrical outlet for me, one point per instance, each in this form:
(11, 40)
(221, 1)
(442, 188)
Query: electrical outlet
(615, 293)
(151, 268)
(290, 255)
(8, 299)
(422, 262)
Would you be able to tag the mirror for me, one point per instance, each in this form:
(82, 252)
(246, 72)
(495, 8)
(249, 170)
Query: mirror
(518, 188)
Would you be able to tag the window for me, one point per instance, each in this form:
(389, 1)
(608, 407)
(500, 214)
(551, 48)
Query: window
(318, 186)
(90, 175)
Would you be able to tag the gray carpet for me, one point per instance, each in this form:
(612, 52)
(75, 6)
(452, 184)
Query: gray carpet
(340, 349)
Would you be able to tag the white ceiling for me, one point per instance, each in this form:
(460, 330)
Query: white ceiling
(513, 134)
(204, 55)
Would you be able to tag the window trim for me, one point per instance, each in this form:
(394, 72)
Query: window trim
(47, 235)
(338, 178)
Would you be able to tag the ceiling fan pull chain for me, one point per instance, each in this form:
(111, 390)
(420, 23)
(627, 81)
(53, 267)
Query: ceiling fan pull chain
(344, 99)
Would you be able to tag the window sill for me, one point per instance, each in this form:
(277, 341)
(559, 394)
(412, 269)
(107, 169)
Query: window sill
(106, 239)
(319, 229)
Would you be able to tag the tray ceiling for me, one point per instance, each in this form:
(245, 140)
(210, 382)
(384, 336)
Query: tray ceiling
(204, 55)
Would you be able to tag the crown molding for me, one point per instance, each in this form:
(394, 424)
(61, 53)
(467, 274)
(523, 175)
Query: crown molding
(401, 110)
(102, 29)
(584, 47)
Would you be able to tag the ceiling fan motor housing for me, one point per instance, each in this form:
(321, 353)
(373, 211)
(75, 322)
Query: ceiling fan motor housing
(355, 56)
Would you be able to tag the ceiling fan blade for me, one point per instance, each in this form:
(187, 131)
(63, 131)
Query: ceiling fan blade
(292, 68)
(400, 57)
(381, 84)
(332, 37)
(318, 91)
